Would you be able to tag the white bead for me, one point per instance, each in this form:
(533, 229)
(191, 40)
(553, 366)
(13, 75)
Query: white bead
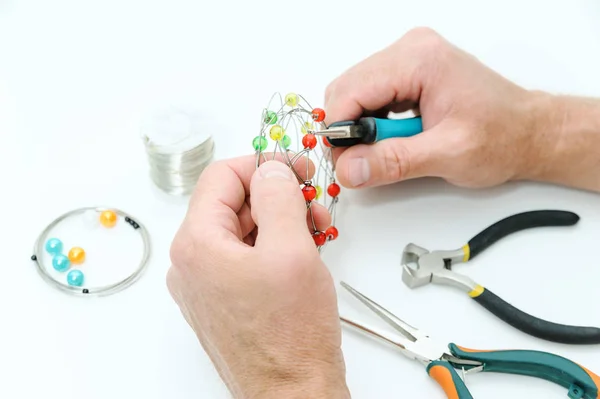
(91, 219)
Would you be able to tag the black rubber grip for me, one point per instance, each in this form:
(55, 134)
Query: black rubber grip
(536, 327)
(518, 222)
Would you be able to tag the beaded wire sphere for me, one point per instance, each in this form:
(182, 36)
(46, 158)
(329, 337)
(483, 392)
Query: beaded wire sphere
(286, 130)
(92, 251)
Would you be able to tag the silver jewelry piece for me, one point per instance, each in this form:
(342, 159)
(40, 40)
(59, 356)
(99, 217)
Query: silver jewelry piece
(38, 254)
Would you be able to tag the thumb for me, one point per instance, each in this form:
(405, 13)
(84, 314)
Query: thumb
(277, 205)
(391, 160)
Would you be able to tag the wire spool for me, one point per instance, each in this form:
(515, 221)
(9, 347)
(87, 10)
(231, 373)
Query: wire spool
(178, 149)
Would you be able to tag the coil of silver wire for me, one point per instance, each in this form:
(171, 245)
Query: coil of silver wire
(178, 149)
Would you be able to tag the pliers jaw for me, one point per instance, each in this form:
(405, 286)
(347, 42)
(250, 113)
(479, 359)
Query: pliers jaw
(421, 267)
(350, 133)
(409, 340)
(340, 132)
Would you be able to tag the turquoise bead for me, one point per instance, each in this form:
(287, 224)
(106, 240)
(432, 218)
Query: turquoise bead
(54, 246)
(60, 263)
(75, 278)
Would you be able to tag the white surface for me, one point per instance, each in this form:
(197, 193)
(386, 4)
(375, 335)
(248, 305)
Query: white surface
(76, 75)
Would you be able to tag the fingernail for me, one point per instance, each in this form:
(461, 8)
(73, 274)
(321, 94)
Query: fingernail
(358, 171)
(275, 170)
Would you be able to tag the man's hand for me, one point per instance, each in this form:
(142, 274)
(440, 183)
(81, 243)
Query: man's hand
(250, 282)
(479, 128)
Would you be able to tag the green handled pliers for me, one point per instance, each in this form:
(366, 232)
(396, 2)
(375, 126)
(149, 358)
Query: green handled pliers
(368, 130)
(442, 361)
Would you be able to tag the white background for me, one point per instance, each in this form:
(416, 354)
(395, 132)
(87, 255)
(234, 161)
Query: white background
(75, 77)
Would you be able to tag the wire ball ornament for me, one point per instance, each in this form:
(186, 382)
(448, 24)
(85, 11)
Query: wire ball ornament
(286, 128)
(63, 267)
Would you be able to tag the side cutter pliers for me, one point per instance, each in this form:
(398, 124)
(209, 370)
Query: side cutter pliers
(421, 267)
(441, 361)
(368, 130)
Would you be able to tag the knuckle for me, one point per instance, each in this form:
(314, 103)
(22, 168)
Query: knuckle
(422, 35)
(426, 43)
(186, 245)
(179, 248)
(172, 280)
(330, 89)
(396, 162)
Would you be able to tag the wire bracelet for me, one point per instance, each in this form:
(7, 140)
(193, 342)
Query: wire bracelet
(68, 264)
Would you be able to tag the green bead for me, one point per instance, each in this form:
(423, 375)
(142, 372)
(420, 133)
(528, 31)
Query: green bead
(259, 143)
(270, 118)
(286, 141)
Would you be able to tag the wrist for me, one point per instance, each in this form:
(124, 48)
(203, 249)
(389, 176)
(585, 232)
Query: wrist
(313, 388)
(565, 136)
(326, 382)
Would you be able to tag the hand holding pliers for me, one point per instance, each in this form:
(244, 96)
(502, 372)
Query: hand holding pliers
(369, 130)
(441, 361)
(421, 267)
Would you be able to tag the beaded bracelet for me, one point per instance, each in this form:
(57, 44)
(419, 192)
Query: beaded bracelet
(75, 281)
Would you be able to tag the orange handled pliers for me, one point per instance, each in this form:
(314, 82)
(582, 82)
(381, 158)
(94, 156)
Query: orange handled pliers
(441, 361)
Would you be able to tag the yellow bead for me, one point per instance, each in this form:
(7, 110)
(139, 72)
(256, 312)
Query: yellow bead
(319, 191)
(76, 255)
(276, 132)
(108, 218)
(291, 99)
(306, 127)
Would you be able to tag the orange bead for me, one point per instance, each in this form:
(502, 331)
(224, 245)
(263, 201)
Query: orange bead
(108, 218)
(333, 190)
(318, 115)
(331, 233)
(326, 142)
(76, 255)
(319, 238)
(309, 141)
(310, 193)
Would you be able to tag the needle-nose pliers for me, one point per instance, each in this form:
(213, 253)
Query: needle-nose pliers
(441, 360)
(368, 130)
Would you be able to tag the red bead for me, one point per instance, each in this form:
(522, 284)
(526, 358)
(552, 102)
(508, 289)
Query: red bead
(326, 142)
(331, 233)
(333, 190)
(310, 193)
(318, 115)
(319, 238)
(309, 141)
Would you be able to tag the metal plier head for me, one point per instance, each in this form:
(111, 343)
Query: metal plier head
(410, 341)
(421, 267)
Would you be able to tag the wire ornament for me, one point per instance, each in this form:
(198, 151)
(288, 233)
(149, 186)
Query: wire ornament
(286, 128)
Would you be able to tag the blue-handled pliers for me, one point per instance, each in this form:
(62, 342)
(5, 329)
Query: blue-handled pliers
(368, 130)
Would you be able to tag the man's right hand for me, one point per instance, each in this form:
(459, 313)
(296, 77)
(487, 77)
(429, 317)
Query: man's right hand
(479, 128)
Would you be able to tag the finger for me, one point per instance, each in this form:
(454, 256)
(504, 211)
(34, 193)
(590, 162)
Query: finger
(221, 191)
(396, 74)
(394, 160)
(321, 216)
(245, 217)
(382, 79)
(278, 207)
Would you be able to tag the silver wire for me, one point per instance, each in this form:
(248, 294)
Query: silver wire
(177, 173)
(38, 256)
